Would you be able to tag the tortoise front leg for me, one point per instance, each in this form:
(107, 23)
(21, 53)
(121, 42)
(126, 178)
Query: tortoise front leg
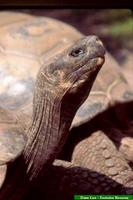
(65, 179)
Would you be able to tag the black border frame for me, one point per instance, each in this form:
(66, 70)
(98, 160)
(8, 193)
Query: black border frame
(59, 4)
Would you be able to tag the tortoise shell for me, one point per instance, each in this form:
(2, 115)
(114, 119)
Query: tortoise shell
(26, 42)
(127, 69)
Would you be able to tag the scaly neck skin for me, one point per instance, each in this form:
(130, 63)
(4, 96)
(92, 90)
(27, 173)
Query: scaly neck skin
(46, 134)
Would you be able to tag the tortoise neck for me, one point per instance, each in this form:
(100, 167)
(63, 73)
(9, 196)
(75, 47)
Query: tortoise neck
(46, 135)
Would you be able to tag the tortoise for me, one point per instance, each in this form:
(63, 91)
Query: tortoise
(28, 32)
(60, 80)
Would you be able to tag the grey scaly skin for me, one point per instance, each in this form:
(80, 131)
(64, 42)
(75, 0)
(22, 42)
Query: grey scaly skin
(66, 179)
(61, 87)
(104, 158)
(89, 146)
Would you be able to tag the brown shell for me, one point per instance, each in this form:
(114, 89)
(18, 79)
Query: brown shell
(127, 69)
(25, 43)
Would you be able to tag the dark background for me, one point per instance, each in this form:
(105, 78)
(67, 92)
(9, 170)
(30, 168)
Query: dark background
(77, 3)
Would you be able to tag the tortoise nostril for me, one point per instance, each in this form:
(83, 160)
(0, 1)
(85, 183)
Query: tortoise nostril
(97, 39)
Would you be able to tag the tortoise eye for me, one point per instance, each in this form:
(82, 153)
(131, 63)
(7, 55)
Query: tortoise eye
(77, 52)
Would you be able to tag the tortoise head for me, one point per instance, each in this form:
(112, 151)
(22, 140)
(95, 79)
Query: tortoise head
(62, 86)
(71, 74)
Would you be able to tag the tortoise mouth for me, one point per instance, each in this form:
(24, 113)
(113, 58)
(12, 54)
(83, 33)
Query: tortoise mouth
(92, 64)
(100, 60)
(84, 73)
